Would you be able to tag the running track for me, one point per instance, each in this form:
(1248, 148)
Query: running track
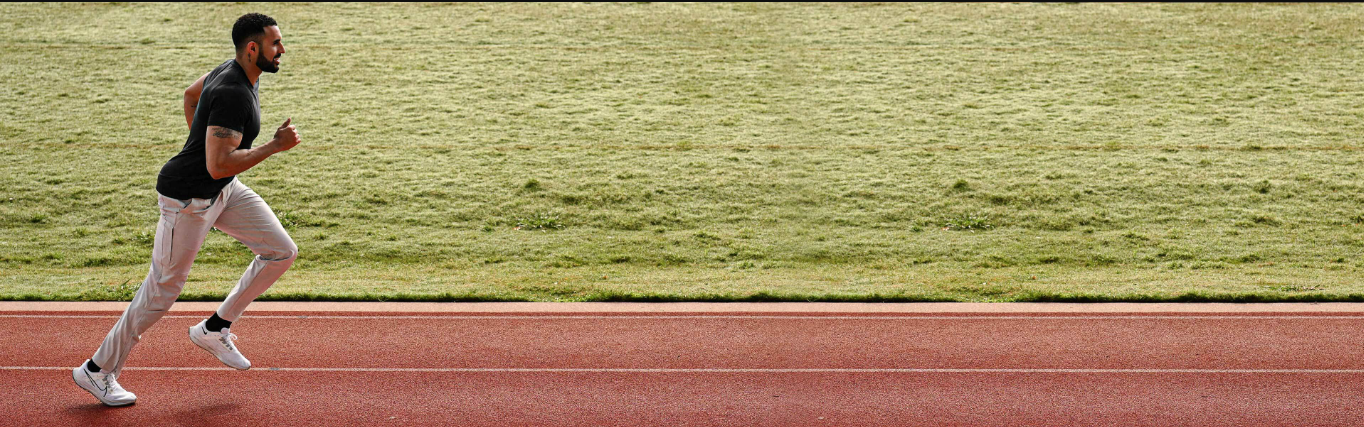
(708, 364)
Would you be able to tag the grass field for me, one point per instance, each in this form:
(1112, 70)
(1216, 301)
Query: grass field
(997, 152)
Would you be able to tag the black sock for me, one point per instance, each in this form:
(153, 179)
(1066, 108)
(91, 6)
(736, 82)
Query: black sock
(91, 366)
(216, 324)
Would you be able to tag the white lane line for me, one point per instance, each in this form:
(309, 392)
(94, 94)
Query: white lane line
(720, 308)
(736, 370)
(727, 317)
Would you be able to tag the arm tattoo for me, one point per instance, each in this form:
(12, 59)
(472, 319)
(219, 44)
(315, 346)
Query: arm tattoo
(223, 132)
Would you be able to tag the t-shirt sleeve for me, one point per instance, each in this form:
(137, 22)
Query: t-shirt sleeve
(229, 109)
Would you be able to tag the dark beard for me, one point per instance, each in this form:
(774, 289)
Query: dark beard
(266, 65)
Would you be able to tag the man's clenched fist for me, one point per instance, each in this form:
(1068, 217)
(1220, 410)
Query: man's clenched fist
(286, 136)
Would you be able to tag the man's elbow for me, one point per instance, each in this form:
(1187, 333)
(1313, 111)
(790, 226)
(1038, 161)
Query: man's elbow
(217, 173)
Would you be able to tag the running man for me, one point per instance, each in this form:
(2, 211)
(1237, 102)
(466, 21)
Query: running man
(198, 192)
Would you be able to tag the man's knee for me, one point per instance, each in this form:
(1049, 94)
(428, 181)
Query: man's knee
(284, 252)
(165, 283)
(159, 306)
(158, 296)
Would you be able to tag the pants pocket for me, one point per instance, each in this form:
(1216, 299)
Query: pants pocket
(173, 205)
(162, 247)
(199, 206)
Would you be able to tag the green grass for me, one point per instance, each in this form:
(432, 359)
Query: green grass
(714, 152)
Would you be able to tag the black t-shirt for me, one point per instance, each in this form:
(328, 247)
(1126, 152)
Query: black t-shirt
(229, 100)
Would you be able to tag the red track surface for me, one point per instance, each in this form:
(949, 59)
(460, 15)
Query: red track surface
(706, 369)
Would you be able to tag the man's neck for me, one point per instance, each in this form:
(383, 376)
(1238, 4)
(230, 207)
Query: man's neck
(252, 71)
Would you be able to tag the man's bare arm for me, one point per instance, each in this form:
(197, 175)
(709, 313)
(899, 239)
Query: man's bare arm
(224, 159)
(192, 99)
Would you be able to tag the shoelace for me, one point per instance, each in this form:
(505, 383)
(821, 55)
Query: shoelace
(227, 339)
(111, 383)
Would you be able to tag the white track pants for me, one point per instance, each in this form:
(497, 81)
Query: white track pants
(239, 213)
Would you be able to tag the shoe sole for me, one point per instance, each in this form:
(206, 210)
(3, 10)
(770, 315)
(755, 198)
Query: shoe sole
(82, 387)
(210, 352)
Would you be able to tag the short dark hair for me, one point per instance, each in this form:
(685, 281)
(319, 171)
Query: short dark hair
(248, 26)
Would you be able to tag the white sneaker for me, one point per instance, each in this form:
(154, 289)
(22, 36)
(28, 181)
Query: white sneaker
(104, 385)
(219, 344)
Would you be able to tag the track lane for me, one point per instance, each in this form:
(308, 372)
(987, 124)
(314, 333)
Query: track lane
(1132, 342)
(581, 399)
(592, 370)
